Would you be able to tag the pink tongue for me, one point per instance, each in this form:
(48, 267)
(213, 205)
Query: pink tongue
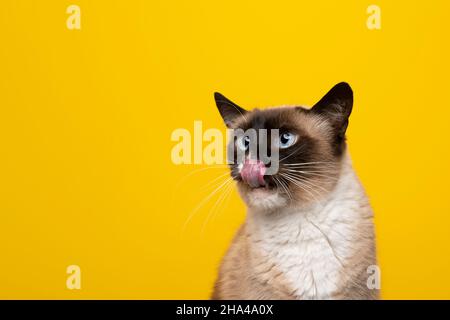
(253, 173)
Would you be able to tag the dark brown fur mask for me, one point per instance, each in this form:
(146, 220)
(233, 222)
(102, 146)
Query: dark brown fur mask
(310, 145)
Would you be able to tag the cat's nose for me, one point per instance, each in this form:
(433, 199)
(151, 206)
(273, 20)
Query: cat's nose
(252, 173)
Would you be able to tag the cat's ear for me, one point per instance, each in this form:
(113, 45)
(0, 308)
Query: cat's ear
(228, 109)
(336, 106)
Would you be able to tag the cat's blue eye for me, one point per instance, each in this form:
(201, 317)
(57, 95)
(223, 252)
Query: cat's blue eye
(287, 139)
(243, 143)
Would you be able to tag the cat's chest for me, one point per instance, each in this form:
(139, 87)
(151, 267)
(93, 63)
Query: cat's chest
(309, 253)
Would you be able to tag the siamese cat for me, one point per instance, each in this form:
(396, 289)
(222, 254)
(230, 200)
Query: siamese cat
(309, 230)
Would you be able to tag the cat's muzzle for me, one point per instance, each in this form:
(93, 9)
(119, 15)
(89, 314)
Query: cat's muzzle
(252, 173)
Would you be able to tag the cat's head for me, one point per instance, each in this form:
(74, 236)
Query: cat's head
(310, 145)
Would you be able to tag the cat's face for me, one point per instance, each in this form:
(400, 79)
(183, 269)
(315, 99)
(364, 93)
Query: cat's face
(310, 144)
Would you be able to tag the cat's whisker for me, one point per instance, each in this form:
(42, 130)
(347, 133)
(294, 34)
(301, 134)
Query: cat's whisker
(212, 182)
(318, 166)
(311, 169)
(204, 201)
(191, 173)
(314, 169)
(291, 196)
(227, 200)
(281, 183)
(297, 149)
(303, 181)
(215, 208)
(314, 173)
(311, 195)
(299, 175)
(277, 183)
(313, 162)
(310, 183)
(302, 186)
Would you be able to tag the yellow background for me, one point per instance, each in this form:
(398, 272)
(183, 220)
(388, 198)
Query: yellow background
(86, 116)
